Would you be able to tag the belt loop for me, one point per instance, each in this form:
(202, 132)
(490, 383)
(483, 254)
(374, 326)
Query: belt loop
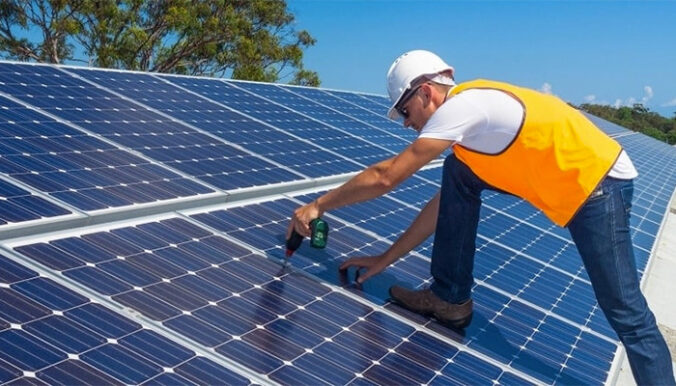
(597, 192)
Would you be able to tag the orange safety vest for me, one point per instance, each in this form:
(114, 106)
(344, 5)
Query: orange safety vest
(556, 160)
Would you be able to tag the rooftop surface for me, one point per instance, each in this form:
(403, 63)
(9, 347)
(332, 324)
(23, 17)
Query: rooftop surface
(144, 214)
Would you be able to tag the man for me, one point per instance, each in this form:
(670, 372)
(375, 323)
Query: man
(517, 141)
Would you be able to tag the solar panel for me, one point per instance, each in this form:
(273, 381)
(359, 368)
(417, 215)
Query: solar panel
(351, 118)
(381, 102)
(144, 131)
(372, 103)
(219, 120)
(653, 189)
(341, 132)
(511, 307)
(607, 127)
(53, 334)
(18, 205)
(249, 309)
(66, 162)
(200, 295)
(339, 152)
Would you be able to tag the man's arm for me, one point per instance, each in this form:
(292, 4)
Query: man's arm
(374, 181)
(419, 230)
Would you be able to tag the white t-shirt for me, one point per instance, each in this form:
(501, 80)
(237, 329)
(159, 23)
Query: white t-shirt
(488, 121)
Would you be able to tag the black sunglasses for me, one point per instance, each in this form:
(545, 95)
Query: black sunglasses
(408, 94)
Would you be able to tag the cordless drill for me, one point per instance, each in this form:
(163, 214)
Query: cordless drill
(319, 233)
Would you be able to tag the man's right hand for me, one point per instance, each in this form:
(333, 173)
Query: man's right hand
(373, 264)
(300, 221)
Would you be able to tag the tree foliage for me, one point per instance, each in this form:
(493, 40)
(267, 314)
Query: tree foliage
(638, 118)
(55, 20)
(243, 39)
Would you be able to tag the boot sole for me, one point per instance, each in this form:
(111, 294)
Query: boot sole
(458, 323)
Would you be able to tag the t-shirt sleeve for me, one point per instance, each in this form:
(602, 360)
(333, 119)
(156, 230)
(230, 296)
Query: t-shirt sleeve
(454, 120)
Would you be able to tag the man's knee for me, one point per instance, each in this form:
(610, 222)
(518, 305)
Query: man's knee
(627, 318)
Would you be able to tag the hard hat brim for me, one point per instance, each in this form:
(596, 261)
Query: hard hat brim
(392, 113)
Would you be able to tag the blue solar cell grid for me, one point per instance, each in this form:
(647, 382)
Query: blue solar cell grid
(251, 310)
(18, 205)
(334, 152)
(607, 127)
(143, 130)
(531, 264)
(374, 104)
(506, 281)
(326, 127)
(380, 104)
(51, 334)
(653, 189)
(413, 271)
(352, 118)
(209, 117)
(72, 166)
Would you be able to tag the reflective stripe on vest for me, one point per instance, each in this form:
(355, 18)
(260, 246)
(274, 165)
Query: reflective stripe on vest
(556, 160)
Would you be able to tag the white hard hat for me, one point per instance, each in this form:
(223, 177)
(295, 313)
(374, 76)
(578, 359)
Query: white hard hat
(409, 67)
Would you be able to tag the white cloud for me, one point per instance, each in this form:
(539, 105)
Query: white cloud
(647, 96)
(648, 91)
(590, 98)
(671, 103)
(546, 88)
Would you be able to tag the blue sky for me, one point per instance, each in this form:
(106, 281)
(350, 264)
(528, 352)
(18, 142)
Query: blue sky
(608, 52)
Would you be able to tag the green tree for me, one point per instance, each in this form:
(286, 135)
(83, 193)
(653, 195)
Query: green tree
(671, 137)
(655, 133)
(55, 21)
(624, 114)
(243, 39)
(638, 118)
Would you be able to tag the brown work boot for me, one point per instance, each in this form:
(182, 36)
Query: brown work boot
(425, 302)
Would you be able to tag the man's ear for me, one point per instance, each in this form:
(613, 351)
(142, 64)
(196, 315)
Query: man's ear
(430, 94)
(426, 90)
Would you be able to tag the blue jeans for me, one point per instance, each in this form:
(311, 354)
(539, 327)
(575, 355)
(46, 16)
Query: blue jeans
(600, 231)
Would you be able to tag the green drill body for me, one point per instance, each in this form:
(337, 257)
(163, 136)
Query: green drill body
(319, 233)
